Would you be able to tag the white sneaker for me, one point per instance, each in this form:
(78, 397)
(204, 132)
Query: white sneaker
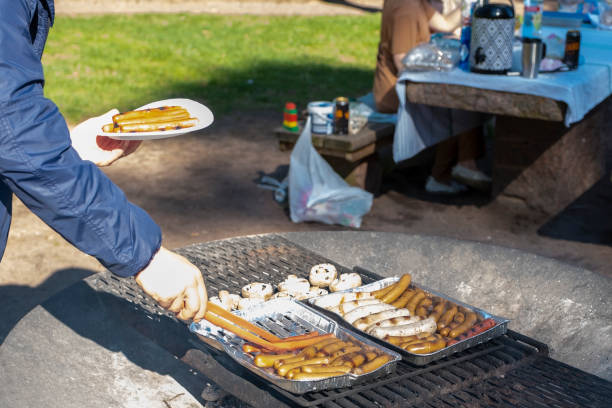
(435, 187)
(473, 178)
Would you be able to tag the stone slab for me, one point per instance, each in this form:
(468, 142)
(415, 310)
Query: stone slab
(545, 164)
(485, 100)
(568, 308)
(74, 352)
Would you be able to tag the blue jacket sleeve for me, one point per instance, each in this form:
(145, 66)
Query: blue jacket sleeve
(39, 165)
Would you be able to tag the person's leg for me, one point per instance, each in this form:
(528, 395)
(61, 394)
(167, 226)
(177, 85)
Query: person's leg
(440, 181)
(470, 146)
(446, 156)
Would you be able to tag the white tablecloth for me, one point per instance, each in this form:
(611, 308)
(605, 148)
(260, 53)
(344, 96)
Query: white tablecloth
(581, 90)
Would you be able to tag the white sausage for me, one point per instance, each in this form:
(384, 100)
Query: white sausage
(424, 326)
(335, 299)
(354, 304)
(364, 322)
(394, 321)
(363, 311)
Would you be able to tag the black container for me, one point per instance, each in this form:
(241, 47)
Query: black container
(572, 49)
(341, 116)
(492, 37)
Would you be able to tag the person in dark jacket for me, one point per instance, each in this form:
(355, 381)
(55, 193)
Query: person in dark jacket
(39, 164)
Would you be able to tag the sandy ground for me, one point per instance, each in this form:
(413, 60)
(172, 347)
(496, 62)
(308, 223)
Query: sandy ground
(203, 187)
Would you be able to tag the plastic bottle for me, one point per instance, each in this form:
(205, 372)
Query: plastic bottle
(467, 9)
(532, 19)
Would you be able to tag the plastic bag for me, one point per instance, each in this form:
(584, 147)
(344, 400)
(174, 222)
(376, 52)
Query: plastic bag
(317, 193)
(440, 55)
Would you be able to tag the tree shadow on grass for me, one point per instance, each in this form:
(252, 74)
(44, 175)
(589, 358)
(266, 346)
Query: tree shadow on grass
(353, 5)
(270, 84)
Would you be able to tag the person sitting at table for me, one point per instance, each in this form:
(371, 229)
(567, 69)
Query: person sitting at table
(406, 24)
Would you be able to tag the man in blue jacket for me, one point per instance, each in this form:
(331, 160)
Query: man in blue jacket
(39, 164)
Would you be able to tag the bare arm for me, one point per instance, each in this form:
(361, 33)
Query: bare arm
(445, 23)
(397, 60)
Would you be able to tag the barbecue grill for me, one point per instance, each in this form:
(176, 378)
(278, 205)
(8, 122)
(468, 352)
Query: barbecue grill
(509, 371)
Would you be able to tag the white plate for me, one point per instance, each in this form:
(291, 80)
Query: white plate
(196, 110)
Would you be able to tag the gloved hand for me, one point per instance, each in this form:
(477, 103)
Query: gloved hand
(176, 284)
(101, 150)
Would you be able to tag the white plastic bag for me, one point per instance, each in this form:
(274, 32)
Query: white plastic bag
(317, 193)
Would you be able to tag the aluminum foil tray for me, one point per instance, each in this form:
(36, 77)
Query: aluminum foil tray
(285, 318)
(499, 329)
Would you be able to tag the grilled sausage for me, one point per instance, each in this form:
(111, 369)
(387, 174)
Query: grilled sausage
(403, 300)
(335, 299)
(426, 347)
(367, 321)
(412, 304)
(398, 289)
(476, 329)
(447, 317)
(347, 307)
(394, 321)
(363, 311)
(424, 326)
(373, 365)
(267, 360)
(470, 320)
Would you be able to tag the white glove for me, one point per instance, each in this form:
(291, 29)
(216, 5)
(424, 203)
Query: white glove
(101, 150)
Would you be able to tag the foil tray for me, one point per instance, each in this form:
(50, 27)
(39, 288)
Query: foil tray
(285, 318)
(500, 328)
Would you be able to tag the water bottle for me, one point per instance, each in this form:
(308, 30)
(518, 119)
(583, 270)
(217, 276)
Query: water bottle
(467, 8)
(532, 19)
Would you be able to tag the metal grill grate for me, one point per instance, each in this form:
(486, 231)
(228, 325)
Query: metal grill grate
(512, 370)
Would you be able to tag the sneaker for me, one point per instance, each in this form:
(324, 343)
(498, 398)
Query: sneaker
(473, 178)
(435, 187)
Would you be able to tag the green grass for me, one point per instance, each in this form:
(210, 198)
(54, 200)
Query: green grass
(230, 63)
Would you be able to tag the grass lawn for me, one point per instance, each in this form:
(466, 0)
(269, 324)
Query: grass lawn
(230, 63)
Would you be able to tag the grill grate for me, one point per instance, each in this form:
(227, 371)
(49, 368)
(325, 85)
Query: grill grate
(509, 371)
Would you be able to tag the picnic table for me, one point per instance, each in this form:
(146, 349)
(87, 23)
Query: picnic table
(549, 132)
(102, 342)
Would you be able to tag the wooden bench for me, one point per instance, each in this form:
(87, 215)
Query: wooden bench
(353, 157)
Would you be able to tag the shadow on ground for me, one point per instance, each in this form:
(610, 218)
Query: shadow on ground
(587, 219)
(17, 300)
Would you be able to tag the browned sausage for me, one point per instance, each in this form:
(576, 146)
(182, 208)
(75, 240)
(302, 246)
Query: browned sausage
(401, 286)
(267, 360)
(459, 317)
(470, 320)
(438, 310)
(373, 365)
(426, 347)
(412, 305)
(404, 299)
(447, 317)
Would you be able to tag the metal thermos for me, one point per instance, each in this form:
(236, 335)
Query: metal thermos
(533, 52)
(492, 36)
